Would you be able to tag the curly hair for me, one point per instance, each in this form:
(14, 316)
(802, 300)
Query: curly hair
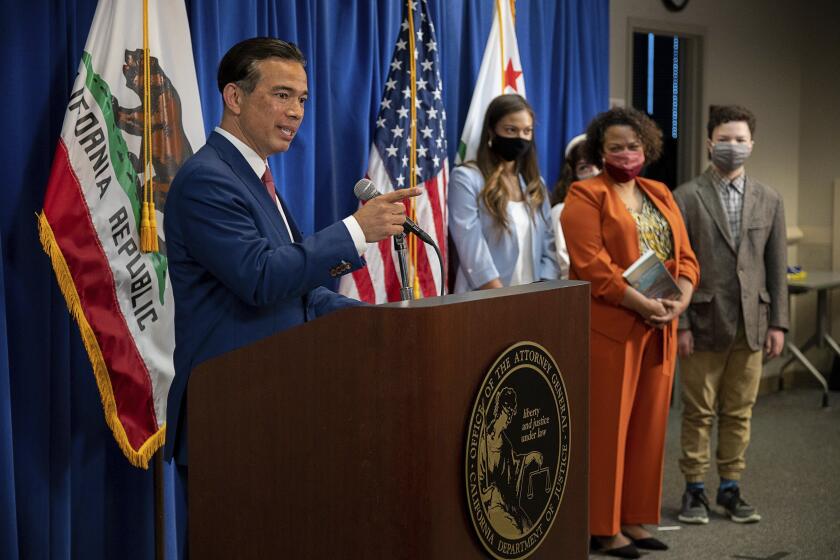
(722, 114)
(648, 132)
(494, 194)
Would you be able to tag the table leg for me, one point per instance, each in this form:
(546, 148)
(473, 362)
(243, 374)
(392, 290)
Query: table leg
(822, 316)
(810, 367)
(805, 347)
(832, 343)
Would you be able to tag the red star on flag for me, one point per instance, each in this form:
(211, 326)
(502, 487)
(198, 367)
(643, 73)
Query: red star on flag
(510, 76)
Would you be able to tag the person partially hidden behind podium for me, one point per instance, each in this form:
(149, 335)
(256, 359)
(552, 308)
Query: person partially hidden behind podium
(611, 220)
(499, 218)
(239, 266)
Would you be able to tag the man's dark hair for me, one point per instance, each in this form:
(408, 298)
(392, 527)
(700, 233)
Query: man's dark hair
(239, 65)
(722, 114)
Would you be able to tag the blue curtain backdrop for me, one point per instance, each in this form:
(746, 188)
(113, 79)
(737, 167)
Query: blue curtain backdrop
(65, 489)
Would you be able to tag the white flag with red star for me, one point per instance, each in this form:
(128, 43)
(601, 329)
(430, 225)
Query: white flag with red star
(500, 73)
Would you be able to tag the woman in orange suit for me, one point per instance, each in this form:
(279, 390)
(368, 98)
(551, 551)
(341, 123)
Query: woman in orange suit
(609, 221)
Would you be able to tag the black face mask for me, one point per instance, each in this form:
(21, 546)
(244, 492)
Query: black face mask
(510, 149)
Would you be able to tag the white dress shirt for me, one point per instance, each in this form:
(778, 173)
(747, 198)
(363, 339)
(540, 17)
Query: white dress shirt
(560, 242)
(523, 269)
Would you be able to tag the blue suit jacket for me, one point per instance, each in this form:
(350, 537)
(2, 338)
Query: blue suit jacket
(236, 276)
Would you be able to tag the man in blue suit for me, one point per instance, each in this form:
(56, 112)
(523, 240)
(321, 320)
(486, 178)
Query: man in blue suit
(240, 268)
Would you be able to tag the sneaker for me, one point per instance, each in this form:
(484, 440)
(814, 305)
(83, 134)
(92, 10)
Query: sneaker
(695, 507)
(736, 508)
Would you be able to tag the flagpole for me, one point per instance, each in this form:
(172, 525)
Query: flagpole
(412, 241)
(159, 506)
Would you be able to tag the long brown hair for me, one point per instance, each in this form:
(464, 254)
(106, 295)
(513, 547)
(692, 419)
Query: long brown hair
(567, 174)
(494, 195)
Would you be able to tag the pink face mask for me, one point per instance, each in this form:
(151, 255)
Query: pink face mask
(625, 165)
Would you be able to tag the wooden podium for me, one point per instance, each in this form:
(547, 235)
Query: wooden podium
(345, 437)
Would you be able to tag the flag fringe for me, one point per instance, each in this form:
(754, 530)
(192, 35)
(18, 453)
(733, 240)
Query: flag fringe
(139, 457)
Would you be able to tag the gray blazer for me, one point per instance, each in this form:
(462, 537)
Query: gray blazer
(747, 282)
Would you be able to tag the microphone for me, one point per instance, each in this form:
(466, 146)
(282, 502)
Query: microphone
(366, 190)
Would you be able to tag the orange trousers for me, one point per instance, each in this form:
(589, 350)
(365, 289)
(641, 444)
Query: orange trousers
(630, 391)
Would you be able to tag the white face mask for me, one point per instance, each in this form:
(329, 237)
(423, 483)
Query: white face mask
(728, 156)
(589, 173)
(586, 171)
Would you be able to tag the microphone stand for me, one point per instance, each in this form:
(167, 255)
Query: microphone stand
(406, 293)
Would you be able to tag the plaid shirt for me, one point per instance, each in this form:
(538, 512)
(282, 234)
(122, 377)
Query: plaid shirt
(732, 199)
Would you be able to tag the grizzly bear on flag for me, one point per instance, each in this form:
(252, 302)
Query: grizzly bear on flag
(170, 147)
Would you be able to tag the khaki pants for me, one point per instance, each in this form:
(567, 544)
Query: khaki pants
(722, 385)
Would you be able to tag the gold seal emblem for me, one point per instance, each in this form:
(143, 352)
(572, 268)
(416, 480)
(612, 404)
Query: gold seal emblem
(517, 453)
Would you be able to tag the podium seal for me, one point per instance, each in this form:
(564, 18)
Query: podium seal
(517, 452)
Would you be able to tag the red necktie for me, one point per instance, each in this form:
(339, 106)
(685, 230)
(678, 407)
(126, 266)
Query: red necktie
(268, 181)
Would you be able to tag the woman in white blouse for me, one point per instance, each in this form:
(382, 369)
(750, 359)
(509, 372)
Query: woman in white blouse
(499, 216)
(575, 168)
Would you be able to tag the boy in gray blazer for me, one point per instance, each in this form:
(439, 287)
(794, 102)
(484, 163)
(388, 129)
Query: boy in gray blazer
(737, 229)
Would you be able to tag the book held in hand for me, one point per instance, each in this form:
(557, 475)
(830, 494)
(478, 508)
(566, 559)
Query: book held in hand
(650, 277)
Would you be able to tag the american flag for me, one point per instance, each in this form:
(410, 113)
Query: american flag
(410, 114)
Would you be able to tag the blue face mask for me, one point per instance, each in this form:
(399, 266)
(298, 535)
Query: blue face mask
(728, 156)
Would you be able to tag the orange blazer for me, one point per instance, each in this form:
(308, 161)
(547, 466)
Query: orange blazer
(603, 242)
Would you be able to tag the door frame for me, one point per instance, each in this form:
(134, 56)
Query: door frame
(691, 152)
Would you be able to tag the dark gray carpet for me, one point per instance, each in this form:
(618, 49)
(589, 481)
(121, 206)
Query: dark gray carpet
(792, 477)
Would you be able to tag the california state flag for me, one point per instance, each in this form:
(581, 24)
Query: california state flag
(132, 119)
(501, 72)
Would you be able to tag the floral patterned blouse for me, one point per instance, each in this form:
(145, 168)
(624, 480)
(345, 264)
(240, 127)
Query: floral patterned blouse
(654, 230)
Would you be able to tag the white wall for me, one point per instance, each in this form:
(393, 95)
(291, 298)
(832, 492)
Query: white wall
(819, 149)
(781, 59)
(819, 152)
(749, 59)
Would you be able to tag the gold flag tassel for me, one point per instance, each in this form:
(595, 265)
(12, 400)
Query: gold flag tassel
(148, 222)
(148, 229)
